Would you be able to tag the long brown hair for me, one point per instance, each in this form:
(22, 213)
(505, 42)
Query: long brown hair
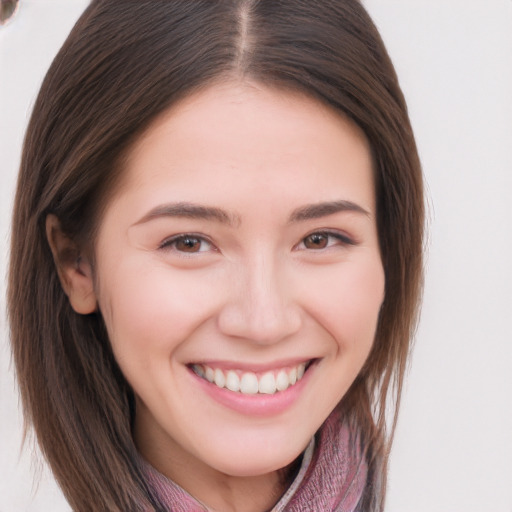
(122, 65)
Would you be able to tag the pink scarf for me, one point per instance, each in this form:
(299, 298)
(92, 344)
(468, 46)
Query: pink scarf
(331, 479)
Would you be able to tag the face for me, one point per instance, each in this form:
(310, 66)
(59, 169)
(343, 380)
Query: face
(239, 275)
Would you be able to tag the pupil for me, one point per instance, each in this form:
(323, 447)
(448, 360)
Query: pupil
(316, 241)
(188, 244)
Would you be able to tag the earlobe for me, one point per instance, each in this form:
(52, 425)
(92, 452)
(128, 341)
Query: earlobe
(73, 268)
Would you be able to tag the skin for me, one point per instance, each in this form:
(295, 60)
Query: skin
(251, 286)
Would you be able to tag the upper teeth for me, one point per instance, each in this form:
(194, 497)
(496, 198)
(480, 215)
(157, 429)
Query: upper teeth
(250, 383)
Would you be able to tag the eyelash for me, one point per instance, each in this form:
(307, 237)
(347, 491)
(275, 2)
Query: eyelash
(170, 243)
(341, 239)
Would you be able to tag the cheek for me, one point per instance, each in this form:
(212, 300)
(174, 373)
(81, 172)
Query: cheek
(346, 301)
(151, 309)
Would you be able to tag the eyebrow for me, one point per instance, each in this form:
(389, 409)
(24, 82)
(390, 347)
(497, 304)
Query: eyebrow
(196, 211)
(319, 210)
(190, 211)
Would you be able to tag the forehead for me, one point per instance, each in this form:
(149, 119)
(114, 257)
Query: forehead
(244, 134)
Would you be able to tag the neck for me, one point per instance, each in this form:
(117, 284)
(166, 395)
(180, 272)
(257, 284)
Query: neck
(217, 491)
(225, 493)
(220, 492)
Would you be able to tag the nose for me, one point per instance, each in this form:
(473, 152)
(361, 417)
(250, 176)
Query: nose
(260, 307)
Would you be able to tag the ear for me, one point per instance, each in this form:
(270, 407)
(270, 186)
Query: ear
(73, 268)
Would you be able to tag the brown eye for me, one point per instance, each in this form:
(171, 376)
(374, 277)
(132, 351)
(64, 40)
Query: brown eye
(188, 244)
(324, 240)
(316, 241)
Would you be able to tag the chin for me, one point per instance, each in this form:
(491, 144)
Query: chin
(257, 458)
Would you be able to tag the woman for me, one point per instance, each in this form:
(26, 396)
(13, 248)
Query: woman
(217, 257)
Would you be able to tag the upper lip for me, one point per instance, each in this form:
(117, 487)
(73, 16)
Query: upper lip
(254, 367)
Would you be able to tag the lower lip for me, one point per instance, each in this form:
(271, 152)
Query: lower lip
(257, 404)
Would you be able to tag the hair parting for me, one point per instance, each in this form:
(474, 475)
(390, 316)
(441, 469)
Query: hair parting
(122, 66)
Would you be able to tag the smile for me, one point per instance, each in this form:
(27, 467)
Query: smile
(251, 383)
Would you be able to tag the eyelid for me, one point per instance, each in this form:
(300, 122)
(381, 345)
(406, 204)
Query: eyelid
(343, 238)
(167, 243)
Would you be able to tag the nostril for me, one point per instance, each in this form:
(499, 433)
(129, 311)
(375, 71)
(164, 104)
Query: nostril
(259, 325)
(259, 307)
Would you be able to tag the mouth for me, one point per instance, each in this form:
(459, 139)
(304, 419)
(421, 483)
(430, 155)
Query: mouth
(253, 383)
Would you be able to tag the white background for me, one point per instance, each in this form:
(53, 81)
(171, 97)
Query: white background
(453, 450)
